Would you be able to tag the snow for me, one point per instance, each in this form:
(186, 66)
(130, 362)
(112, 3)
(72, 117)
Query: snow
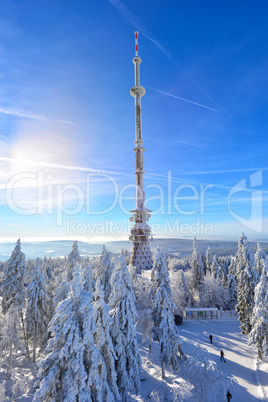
(249, 375)
(202, 309)
(201, 376)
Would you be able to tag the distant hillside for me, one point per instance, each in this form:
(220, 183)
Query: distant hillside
(184, 247)
(58, 248)
(172, 247)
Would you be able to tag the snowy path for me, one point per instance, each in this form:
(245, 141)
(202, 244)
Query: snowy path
(251, 377)
(240, 358)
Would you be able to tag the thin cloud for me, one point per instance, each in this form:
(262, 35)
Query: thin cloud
(183, 99)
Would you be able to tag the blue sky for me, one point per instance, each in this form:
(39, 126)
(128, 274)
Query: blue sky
(67, 118)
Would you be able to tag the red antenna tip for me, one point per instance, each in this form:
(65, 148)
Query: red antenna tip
(136, 43)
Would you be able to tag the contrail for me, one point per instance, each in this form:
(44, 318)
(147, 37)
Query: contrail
(22, 114)
(42, 117)
(183, 99)
(84, 169)
(36, 116)
(130, 17)
(58, 166)
(46, 118)
(157, 177)
(170, 142)
(225, 171)
(191, 144)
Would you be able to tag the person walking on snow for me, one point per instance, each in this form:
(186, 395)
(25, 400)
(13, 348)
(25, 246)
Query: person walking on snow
(229, 395)
(222, 356)
(210, 338)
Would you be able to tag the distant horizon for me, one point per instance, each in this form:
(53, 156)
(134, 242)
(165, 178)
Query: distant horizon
(97, 240)
(176, 247)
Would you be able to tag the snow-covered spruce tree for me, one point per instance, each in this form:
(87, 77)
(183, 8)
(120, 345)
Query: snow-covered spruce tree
(47, 268)
(203, 259)
(208, 261)
(232, 268)
(224, 278)
(73, 260)
(164, 329)
(104, 271)
(215, 269)
(245, 297)
(1, 274)
(248, 278)
(89, 283)
(70, 370)
(259, 320)
(188, 300)
(180, 291)
(37, 312)
(212, 293)
(61, 292)
(260, 260)
(133, 274)
(224, 263)
(104, 344)
(14, 291)
(244, 256)
(231, 291)
(123, 313)
(141, 287)
(47, 272)
(127, 256)
(9, 338)
(145, 324)
(197, 268)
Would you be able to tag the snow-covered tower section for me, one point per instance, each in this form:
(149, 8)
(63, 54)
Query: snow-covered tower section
(141, 256)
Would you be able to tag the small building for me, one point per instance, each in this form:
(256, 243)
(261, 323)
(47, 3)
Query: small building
(201, 312)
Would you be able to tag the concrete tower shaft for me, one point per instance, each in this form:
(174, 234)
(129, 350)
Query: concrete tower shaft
(137, 92)
(140, 231)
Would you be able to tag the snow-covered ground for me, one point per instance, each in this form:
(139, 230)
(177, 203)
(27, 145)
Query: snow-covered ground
(249, 376)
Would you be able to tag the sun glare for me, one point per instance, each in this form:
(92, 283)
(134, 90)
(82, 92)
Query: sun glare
(21, 164)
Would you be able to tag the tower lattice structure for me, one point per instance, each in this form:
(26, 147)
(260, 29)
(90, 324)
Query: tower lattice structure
(141, 236)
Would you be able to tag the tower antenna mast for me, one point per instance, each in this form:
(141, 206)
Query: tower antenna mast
(141, 256)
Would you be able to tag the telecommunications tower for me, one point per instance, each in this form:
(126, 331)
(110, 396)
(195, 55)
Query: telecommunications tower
(141, 256)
